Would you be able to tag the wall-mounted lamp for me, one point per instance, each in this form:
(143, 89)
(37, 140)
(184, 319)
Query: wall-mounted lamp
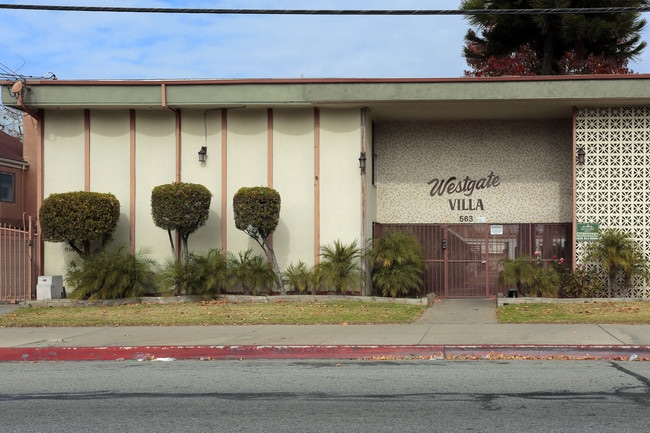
(203, 153)
(362, 162)
(580, 156)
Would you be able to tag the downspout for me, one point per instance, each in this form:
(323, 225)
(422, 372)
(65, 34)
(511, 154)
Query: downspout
(18, 90)
(163, 89)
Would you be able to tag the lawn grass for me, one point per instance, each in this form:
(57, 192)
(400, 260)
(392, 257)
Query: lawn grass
(602, 312)
(216, 313)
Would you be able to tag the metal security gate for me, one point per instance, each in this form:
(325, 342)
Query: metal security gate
(19, 253)
(463, 259)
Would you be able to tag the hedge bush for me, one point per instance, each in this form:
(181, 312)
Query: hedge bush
(257, 213)
(79, 218)
(180, 206)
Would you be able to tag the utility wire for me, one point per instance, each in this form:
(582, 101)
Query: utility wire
(470, 12)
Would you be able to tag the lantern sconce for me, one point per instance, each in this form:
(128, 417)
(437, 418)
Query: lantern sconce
(203, 153)
(362, 163)
(580, 156)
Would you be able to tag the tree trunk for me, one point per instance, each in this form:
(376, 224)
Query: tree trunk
(185, 251)
(270, 255)
(171, 241)
(76, 249)
(549, 50)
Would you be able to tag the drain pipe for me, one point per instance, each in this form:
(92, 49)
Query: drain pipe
(18, 91)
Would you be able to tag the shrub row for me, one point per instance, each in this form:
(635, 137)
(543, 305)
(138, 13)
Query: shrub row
(111, 274)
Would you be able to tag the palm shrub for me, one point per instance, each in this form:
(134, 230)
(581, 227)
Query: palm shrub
(218, 276)
(340, 267)
(546, 282)
(112, 275)
(198, 275)
(299, 277)
(519, 272)
(619, 255)
(254, 273)
(180, 277)
(397, 262)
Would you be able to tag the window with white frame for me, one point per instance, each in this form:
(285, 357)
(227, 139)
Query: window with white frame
(7, 187)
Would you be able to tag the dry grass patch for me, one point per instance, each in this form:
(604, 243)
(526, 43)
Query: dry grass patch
(216, 313)
(632, 312)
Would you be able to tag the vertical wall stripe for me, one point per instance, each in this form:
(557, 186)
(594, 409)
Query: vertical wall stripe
(40, 157)
(132, 198)
(177, 129)
(574, 252)
(269, 155)
(363, 189)
(269, 146)
(316, 186)
(178, 145)
(86, 150)
(224, 181)
(40, 188)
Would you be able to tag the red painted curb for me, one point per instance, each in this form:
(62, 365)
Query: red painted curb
(150, 353)
(388, 352)
(572, 352)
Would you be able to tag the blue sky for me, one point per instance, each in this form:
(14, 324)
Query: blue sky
(90, 45)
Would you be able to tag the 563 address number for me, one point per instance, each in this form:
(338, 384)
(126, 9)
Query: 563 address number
(466, 218)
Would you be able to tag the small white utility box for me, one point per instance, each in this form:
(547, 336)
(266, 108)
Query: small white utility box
(49, 287)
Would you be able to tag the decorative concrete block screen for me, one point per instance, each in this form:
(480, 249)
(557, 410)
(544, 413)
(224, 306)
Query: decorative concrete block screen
(612, 185)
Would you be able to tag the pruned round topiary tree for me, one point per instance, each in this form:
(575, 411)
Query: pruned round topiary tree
(79, 219)
(257, 213)
(183, 207)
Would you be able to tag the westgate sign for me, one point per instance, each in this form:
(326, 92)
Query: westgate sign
(466, 187)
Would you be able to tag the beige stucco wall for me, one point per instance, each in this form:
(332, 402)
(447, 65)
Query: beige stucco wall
(247, 165)
(340, 180)
(155, 164)
(290, 170)
(203, 128)
(532, 160)
(293, 178)
(63, 149)
(110, 161)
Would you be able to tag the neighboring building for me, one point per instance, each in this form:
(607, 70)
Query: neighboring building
(19, 253)
(479, 169)
(13, 180)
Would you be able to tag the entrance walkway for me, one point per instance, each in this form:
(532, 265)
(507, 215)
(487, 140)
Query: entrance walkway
(457, 311)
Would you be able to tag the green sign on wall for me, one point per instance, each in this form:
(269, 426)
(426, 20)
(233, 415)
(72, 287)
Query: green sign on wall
(586, 232)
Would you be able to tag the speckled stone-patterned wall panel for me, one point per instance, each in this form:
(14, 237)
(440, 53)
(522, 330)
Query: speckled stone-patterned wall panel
(525, 168)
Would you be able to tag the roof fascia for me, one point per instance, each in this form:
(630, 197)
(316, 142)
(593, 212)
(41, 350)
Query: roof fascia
(62, 94)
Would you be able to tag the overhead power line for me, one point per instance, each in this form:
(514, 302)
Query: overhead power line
(548, 11)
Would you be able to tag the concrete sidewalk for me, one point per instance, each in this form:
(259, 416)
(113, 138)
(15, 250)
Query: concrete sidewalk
(450, 329)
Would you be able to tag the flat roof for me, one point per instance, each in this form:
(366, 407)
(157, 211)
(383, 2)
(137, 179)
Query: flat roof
(549, 97)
